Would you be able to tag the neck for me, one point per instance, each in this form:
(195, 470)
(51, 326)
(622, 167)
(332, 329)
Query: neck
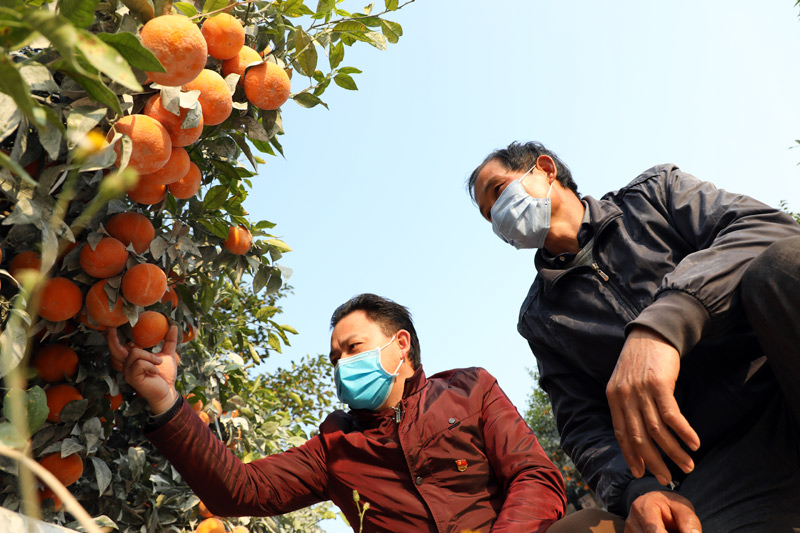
(565, 221)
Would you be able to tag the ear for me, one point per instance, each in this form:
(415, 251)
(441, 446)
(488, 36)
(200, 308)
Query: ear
(404, 342)
(546, 163)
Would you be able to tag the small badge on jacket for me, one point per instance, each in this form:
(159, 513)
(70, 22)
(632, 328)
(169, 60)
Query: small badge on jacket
(461, 464)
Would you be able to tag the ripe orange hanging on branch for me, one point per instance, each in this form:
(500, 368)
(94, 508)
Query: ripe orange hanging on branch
(131, 228)
(144, 284)
(150, 329)
(61, 299)
(267, 86)
(176, 167)
(215, 96)
(97, 305)
(188, 185)
(178, 43)
(106, 260)
(238, 241)
(224, 36)
(173, 123)
(28, 259)
(55, 362)
(238, 63)
(146, 192)
(58, 396)
(67, 469)
(151, 144)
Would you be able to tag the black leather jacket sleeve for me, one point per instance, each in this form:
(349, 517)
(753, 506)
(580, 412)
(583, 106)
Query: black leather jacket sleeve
(727, 231)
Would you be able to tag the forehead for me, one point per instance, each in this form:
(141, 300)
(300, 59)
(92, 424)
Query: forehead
(355, 323)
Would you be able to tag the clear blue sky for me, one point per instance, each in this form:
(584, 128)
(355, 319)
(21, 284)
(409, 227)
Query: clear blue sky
(371, 193)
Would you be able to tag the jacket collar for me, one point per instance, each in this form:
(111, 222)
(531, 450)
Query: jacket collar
(601, 213)
(414, 384)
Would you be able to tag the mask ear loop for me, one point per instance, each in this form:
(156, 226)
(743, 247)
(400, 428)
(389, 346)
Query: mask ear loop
(526, 174)
(550, 189)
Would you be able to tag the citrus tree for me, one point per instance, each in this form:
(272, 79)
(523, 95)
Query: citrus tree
(130, 132)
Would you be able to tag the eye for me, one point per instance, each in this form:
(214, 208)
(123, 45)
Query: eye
(352, 346)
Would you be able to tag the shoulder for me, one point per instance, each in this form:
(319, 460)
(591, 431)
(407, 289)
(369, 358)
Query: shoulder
(462, 378)
(652, 177)
(337, 421)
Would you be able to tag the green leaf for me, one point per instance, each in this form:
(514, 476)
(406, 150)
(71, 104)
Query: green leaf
(58, 30)
(290, 329)
(391, 5)
(34, 403)
(133, 51)
(306, 59)
(16, 168)
(186, 8)
(274, 342)
(215, 198)
(265, 312)
(296, 8)
(102, 474)
(107, 60)
(80, 121)
(94, 86)
(307, 100)
(391, 30)
(12, 83)
(79, 12)
(274, 281)
(9, 436)
(375, 39)
(260, 281)
(336, 54)
(345, 82)
(349, 70)
(214, 5)
(15, 33)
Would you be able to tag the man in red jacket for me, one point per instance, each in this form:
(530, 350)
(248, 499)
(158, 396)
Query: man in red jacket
(445, 453)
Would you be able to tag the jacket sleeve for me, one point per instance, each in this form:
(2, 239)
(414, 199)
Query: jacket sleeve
(277, 484)
(583, 419)
(724, 232)
(534, 489)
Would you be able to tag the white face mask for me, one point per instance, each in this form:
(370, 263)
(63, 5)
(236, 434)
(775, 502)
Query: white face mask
(520, 219)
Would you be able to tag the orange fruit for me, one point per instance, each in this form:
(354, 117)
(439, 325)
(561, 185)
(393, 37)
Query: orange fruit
(215, 96)
(115, 401)
(180, 136)
(150, 329)
(131, 228)
(177, 166)
(204, 417)
(67, 469)
(97, 303)
(187, 186)
(61, 299)
(203, 510)
(210, 525)
(106, 260)
(170, 296)
(239, 240)
(224, 36)
(152, 145)
(240, 529)
(48, 494)
(147, 193)
(238, 63)
(267, 86)
(198, 405)
(144, 284)
(57, 397)
(23, 260)
(188, 333)
(55, 362)
(178, 43)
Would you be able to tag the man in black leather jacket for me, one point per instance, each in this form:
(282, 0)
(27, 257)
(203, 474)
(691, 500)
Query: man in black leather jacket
(649, 317)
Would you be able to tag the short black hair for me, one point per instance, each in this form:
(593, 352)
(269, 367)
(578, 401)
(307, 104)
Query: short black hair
(389, 315)
(522, 156)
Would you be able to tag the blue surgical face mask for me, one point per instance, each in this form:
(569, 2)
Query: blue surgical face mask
(361, 381)
(520, 219)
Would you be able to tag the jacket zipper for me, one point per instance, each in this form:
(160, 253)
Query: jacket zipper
(398, 413)
(623, 299)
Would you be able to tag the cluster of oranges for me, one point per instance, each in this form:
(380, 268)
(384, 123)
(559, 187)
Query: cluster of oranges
(158, 136)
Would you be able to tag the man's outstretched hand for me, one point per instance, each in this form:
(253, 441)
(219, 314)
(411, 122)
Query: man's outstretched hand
(662, 512)
(151, 375)
(641, 395)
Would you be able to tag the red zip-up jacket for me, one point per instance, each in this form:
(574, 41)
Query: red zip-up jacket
(459, 458)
